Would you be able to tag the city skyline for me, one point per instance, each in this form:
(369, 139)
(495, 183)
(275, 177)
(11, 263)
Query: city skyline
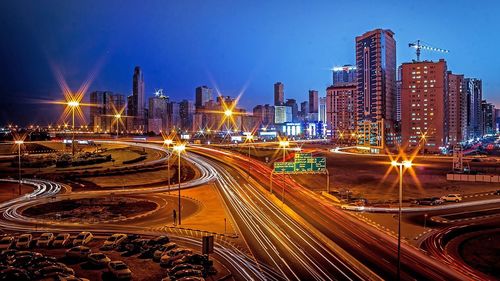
(180, 72)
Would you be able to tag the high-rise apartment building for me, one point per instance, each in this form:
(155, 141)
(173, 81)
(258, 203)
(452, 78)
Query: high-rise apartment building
(376, 80)
(457, 109)
(186, 111)
(341, 100)
(264, 115)
(279, 93)
(424, 100)
(158, 114)
(474, 94)
(489, 119)
(313, 101)
(136, 100)
(107, 104)
(203, 94)
(292, 103)
(282, 114)
(322, 110)
(344, 74)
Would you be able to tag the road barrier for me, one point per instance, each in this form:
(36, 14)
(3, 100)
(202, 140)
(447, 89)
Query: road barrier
(473, 178)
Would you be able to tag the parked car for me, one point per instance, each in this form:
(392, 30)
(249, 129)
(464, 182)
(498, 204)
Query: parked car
(168, 261)
(78, 252)
(130, 238)
(54, 271)
(119, 270)
(83, 238)
(187, 273)
(72, 278)
(183, 266)
(497, 192)
(455, 197)
(61, 240)
(163, 250)
(196, 259)
(191, 278)
(24, 241)
(429, 201)
(179, 251)
(45, 240)
(6, 242)
(13, 273)
(113, 241)
(159, 240)
(98, 259)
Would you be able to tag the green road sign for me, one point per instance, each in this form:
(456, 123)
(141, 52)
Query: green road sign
(304, 165)
(286, 167)
(302, 157)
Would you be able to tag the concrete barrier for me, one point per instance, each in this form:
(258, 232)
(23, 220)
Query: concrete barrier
(473, 178)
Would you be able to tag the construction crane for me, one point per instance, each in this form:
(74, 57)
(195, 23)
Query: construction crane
(418, 46)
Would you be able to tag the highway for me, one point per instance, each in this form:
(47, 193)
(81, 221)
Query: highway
(370, 246)
(275, 238)
(242, 265)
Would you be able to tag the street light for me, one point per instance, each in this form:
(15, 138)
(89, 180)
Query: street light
(423, 139)
(168, 142)
(406, 165)
(19, 143)
(249, 138)
(228, 113)
(284, 144)
(179, 148)
(73, 105)
(118, 117)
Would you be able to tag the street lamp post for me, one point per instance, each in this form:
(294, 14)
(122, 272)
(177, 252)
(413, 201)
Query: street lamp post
(19, 143)
(284, 144)
(228, 113)
(168, 142)
(249, 139)
(118, 117)
(73, 105)
(400, 165)
(179, 148)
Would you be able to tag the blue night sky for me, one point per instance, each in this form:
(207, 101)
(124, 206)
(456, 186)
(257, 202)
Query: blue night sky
(234, 45)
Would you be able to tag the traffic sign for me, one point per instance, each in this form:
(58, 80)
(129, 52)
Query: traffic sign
(304, 165)
(284, 167)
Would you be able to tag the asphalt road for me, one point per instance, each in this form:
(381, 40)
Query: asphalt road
(274, 238)
(370, 246)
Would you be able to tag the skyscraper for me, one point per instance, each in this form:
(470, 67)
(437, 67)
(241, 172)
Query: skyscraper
(341, 110)
(264, 115)
(313, 105)
(322, 110)
(203, 94)
(489, 119)
(158, 116)
(424, 105)
(295, 109)
(457, 109)
(344, 74)
(474, 92)
(279, 94)
(376, 79)
(107, 104)
(186, 111)
(136, 101)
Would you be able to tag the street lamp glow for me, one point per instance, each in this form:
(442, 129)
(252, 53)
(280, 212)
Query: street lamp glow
(180, 147)
(118, 116)
(228, 112)
(19, 142)
(407, 164)
(73, 104)
(168, 142)
(284, 143)
(249, 137)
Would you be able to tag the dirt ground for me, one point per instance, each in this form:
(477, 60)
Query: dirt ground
(86, 210)
(11, 190)
(482, 253)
